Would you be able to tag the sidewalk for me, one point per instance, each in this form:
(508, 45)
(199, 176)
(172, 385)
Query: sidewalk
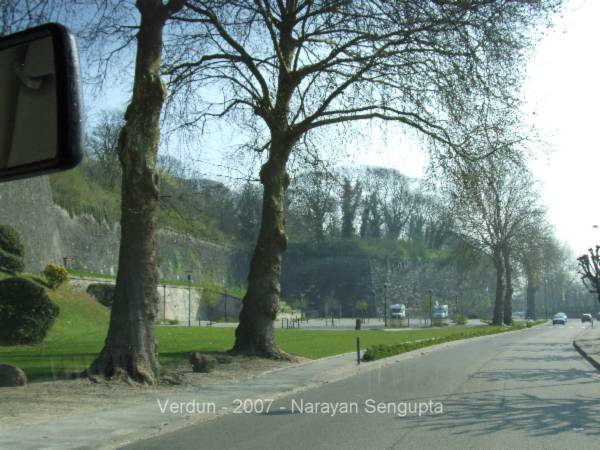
(587, 343)
(162, 412)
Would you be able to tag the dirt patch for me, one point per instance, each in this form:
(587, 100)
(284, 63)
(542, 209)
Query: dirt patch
(41, 402)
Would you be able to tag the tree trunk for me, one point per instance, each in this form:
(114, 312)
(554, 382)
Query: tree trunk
(130, 347)
(508, 292)
(499, 301)
(532, 287)
(254, 335)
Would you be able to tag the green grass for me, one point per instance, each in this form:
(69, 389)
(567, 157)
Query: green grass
(81, 327)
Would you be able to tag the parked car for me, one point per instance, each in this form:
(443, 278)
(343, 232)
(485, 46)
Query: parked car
(586, 317)
(560, 318)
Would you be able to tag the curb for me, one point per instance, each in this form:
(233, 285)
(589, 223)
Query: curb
(585, 355)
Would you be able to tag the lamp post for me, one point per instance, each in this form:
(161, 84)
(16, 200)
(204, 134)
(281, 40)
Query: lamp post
(430, 308)
(189, 279)
(385, 287)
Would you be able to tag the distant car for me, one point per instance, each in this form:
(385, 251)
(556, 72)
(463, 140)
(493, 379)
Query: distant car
(586, 317)
(560, 318)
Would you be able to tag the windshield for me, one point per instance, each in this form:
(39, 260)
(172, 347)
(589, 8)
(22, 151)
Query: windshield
(309, 224)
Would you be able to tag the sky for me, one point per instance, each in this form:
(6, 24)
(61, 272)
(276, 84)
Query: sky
(562, 89)
(562, 92)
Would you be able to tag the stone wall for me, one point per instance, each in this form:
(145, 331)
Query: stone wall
(51, 234)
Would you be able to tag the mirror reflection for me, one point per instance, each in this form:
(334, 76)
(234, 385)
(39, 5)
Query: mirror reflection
(28, 112)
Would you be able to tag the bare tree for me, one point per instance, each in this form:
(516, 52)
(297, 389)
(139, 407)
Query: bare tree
(130, 346)
(16, 15)
(312, 197)
(495, 208)
(589, 270)
(447, 70)
(102, 146)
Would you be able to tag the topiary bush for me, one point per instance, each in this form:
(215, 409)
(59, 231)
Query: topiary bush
(11, 263)
(26, 312)
(104, 293)
(12, 250)
(56, 275)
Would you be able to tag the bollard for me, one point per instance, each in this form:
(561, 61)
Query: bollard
(357, 349)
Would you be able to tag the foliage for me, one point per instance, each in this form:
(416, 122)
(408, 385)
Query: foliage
(103, 292)
(26, 312)
(83, 191)
(362, 306)
(459, 319)
(11, 263)
(10, 241)
(12, 250)
(56, 275)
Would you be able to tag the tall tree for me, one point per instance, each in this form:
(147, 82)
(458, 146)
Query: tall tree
(248, 212)
(313, 200)
(130, 345)
(495, 207)
(350, 199)
(102, 145)
(292, 67)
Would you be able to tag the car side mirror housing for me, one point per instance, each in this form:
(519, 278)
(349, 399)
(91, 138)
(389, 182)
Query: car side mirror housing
(40, 106)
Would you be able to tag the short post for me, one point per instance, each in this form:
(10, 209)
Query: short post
(357, 349)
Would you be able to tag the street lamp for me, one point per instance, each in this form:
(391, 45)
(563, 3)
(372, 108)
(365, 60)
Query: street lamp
(189, 279)
(385, 287)
(430, 308)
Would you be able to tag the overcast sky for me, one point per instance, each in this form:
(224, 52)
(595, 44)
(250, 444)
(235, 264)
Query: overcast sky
(563, 90)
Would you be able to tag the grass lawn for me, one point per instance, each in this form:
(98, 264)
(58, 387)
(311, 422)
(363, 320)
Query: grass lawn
(79, 332)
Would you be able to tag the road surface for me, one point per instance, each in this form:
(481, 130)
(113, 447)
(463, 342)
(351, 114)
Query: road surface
(527, 390)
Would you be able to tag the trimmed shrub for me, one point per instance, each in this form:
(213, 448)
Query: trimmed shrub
(12, 250)
(10, 241)
(11, 263)
(104, 293)
(26, 312)
(56, 275)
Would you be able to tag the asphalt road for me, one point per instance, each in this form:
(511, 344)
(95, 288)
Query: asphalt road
(525, 390)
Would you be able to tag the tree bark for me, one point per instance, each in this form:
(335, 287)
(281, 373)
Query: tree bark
(499, 301)
(254, 335)
(130, 348)
(508, 291)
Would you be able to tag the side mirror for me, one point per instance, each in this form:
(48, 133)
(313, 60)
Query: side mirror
(40, 118)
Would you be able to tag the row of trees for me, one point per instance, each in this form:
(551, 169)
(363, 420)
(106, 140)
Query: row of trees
(290, 69)
(373, 202)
